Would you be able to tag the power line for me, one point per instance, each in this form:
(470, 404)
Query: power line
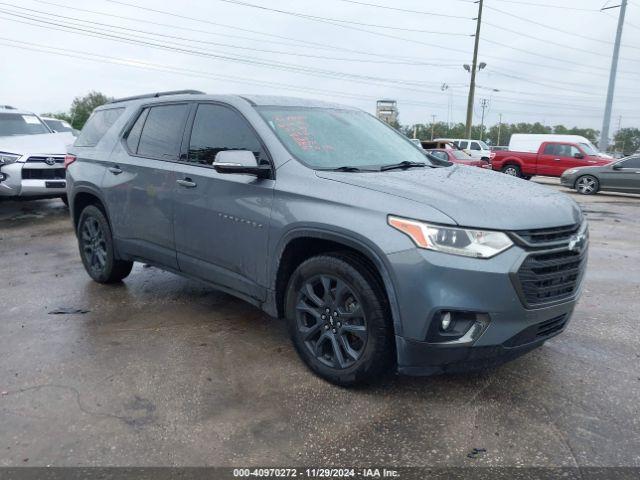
(405, 10)
(398, 83)
(278, 52)
(380, 34)
(548, 5)
(340, 21)
(548, 27)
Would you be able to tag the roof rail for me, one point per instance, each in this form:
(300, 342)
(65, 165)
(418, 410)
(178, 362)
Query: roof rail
(157, 94)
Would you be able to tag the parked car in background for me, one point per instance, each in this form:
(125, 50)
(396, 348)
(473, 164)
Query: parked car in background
(377, 258)
(527, 142)
(59, 126)
(458, 156)
(620, 176)
(551, 159)
(31, 156)
(416, 142)
(430, 144)
(475, 148)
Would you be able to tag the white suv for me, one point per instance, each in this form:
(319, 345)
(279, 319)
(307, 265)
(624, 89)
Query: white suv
(31, 156)
(476, 148)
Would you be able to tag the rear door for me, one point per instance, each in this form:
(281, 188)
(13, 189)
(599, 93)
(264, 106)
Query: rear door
(548, 158)
(221, 221)
(140, 181)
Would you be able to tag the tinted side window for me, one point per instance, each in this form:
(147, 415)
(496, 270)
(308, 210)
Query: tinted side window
(475, 146)
(463, 145)
(133, 139)
(98, 124)
(631, 163)
(550, 149)
(217, 128)
(162, 132)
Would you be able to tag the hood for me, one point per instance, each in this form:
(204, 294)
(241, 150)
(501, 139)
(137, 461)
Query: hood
(42, 144)
(471, 196)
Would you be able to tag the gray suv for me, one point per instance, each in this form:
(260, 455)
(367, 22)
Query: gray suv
(378, 256)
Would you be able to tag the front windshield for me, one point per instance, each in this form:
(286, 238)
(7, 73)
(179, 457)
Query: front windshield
(483, 145)
(329, 138)
(20, 124)
(588, 149)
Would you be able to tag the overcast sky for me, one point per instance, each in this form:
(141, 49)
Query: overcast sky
(548, 60)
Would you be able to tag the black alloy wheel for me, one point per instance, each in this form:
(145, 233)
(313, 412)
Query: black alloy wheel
(331, 321)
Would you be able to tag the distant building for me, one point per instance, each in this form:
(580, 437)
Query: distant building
(387, 111)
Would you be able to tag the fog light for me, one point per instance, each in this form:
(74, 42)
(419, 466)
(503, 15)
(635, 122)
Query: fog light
(445, 321)
(2, 177)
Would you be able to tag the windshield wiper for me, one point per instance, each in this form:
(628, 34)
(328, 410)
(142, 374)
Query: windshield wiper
(345, 168)
(405, 164)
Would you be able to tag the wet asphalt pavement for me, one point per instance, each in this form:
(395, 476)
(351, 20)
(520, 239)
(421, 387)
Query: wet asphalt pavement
(166, 371)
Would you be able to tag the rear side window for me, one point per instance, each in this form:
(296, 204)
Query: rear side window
(475, 146)
(98, 124)
(133, 138)
(217, 128)
(550, 149)
(463, 145)
(162, 131)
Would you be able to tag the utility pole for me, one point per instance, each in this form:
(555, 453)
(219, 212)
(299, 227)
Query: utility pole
(499, 129)
(606, 122)
(433, 124)
(474, 68)
(484, 103)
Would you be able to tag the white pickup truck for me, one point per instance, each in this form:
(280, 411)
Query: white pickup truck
(31, 156)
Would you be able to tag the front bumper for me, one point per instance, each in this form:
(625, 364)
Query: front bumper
(33, 179)
(429, 282)
(568, 181)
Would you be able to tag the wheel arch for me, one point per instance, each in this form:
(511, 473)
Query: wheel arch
(301, 244)
(83, 197)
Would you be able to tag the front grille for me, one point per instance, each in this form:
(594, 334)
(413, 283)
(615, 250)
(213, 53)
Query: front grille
(551, 276)
(540, 331)
(44, 159)
(43, 173)
(545, 236)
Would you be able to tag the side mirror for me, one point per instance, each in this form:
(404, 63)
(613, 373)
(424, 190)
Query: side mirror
(617, 166)
(579, 155)
(240, 161)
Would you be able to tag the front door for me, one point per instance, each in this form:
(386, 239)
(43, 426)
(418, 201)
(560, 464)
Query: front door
(221, 221)
(139, 184)
(624, 178)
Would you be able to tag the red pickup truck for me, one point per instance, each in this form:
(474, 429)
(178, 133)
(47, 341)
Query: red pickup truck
(552, 159)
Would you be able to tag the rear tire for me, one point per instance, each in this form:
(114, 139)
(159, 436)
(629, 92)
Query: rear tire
(96, 248)
(587, 185)
(513, 170)
(338, 319)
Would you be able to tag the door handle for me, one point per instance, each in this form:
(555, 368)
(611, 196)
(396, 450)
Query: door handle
(187, 183)
(556, 159)
(115, 170)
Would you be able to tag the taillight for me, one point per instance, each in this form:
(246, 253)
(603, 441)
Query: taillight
(69, 159)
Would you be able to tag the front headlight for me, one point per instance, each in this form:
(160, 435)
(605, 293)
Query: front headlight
(570, 171)
(457, 241)
(7, 158)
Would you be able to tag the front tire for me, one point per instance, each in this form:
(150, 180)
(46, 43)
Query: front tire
(513, 170)
(587, 185)
(96, 248)
(336, 313)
